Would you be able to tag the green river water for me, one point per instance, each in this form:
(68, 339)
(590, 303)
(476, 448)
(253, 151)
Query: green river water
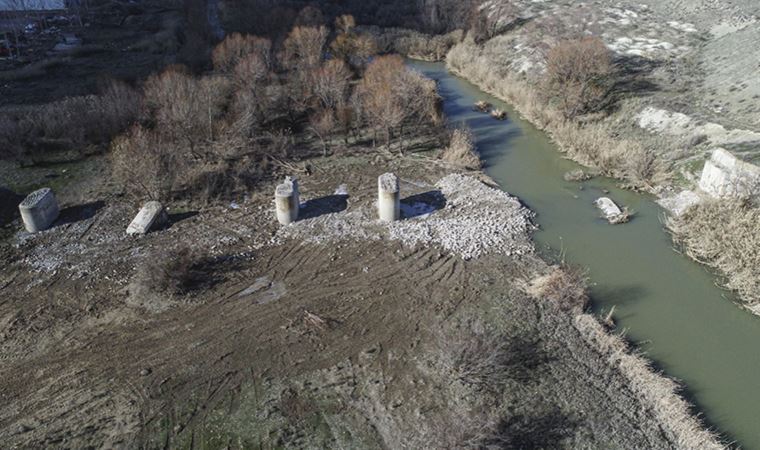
(668, 304)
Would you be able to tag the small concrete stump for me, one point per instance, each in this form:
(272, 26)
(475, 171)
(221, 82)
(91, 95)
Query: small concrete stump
(287, 201)
(388, 197)
(39, 210)
(152, 216)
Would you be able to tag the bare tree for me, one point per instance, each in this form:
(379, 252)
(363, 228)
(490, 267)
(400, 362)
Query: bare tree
(331, 84)
(236, 47)
(303, 49)
(322, 123)
(345, 23)
(580, 75)
(390, 94)
(356, 49)
(186, 107)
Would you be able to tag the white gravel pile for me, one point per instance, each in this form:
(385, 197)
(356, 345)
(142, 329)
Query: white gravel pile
(475, 221)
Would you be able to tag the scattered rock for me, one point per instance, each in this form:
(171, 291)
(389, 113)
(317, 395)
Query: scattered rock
(499, 114)
(576, 175)
(482, 106)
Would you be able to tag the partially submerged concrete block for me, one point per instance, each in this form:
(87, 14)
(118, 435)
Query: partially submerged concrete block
(681, 202)
(152, 216)
(724, 175)
(389, 197)
(287, 201)
(39, 210)
(610, 210)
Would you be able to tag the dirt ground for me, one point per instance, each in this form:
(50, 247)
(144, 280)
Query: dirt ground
(291, 342)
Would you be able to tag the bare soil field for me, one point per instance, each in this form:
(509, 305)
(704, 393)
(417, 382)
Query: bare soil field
(287, 341)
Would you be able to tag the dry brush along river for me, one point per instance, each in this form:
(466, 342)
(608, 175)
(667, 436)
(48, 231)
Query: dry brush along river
(667, 304)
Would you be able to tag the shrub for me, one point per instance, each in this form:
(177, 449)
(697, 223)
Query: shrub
(146, 164)
(73, 123)
(478, 358)
(461, 149)
(580, 75)
(171, 272)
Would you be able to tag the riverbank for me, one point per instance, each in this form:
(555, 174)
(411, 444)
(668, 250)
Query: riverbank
(617, 147)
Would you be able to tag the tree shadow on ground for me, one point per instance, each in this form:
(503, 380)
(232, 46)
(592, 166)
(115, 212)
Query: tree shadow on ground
(535, 431)
(78, 213)
(324, 205)
(208, 272)
(633, 73)
(422, 204)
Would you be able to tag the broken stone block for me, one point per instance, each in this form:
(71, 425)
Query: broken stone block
(681, 202)
(725, 175)
(152, 216)
(610, 210)
(39, 210)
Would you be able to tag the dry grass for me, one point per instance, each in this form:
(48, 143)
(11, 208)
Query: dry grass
(724, 234)
(461, 150)
(564, 285)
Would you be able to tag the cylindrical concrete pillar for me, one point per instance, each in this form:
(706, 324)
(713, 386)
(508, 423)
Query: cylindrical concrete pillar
(39, 210)
(388, 197)
(286, 200)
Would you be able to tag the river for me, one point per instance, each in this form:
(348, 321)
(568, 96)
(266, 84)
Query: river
(668, 305)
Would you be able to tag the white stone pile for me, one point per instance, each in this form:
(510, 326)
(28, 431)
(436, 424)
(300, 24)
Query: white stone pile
(477, 220)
